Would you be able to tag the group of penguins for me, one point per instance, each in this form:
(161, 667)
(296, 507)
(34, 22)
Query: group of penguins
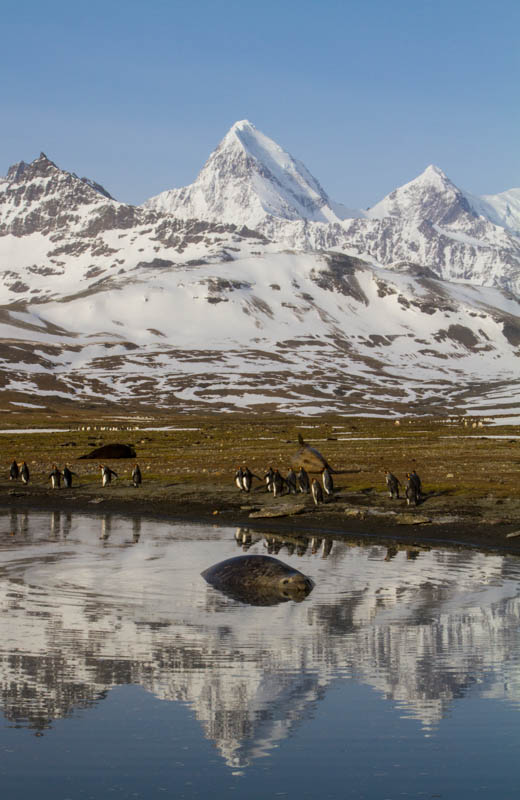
(22, 471)
(291, 484)
(412, 487)
(294, 483)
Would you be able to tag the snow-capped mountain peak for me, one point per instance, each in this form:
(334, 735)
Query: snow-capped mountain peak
(249, 176)
(40, 197)
(431, 195)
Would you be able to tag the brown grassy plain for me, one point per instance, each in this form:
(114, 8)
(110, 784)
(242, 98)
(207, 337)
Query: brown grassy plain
(469, 474)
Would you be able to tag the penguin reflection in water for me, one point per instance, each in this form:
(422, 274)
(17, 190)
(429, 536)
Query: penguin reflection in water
(106, 474)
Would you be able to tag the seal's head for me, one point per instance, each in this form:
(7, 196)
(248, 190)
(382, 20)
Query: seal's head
(295, 585)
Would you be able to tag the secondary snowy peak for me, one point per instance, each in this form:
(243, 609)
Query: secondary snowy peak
(431, 196)
(247, 178)
(501, 209)
(41, 197)
(434, 198)
(43, 168)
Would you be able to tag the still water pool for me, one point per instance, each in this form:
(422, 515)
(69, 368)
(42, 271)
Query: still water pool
(124, 675)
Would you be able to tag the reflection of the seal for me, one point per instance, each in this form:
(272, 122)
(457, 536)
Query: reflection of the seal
(264, 595)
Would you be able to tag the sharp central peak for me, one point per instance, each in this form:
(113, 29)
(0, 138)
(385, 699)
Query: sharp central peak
(243, 131)
(242, 124)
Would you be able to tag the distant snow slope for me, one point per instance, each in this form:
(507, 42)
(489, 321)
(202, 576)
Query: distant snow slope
(279, 331)
(502, 209)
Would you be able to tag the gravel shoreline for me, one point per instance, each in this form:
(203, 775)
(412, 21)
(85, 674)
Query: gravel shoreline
(484, 523)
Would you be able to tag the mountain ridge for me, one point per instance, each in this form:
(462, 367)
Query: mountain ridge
(256, 309)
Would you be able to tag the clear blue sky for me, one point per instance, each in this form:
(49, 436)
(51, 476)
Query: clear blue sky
(136, 94)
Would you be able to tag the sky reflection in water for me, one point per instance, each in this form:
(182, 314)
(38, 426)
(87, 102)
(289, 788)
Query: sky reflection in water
(139, 678)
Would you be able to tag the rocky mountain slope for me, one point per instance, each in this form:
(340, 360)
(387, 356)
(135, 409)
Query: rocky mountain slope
(252, 289)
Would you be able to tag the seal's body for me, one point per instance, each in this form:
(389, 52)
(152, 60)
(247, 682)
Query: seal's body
(258, 580)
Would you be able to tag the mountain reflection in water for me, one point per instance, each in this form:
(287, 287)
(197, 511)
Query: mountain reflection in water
(90, 602)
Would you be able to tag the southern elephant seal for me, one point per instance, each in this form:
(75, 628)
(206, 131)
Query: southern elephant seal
(258, 580)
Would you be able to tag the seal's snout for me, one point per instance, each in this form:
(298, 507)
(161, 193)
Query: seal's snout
(297, 584)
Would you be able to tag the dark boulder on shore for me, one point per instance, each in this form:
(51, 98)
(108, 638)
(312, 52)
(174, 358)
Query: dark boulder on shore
(111, 451)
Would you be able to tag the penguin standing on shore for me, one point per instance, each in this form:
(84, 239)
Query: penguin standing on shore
(417, 482)
(410, 490)
(393, 485)
(278, 483)
(67, 477)
(24, 472)
(106, 474)
(268, 478)
(238, 479)
(55, 477)
(137, 478)
(13, 471)
(303, 481)
(291, 482)
(317, 492)
(247, 479)
(328, 483)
